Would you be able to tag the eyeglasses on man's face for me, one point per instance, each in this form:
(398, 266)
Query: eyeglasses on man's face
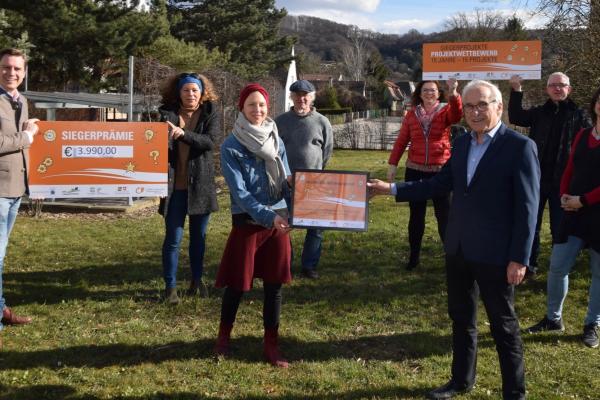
(558, 85)
(480, 107)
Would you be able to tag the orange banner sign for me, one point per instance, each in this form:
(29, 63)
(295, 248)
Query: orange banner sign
(482, 60)
(70, 159)
(330, 200)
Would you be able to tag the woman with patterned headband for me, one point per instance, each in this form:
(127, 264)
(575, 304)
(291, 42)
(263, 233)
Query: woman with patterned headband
(188, 106)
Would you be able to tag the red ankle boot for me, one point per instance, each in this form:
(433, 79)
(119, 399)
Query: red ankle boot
(10, 318)
(222, 346)
(271, 352)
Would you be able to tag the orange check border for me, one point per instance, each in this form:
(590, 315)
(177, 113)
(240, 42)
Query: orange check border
(140, 170)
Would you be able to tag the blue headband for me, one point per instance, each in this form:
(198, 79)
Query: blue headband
(189, 79)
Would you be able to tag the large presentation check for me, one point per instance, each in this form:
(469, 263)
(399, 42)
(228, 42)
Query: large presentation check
(330, 200)
(70, 159)
(482, 60)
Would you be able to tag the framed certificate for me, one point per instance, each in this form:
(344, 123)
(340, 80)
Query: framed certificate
(330, 200)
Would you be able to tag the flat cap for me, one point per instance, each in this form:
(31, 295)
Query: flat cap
(302, 86)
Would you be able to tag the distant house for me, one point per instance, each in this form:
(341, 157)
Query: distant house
(397, 94)
(324, 80)
(320, 78)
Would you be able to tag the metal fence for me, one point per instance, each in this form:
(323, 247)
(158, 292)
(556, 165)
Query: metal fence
(337, 119)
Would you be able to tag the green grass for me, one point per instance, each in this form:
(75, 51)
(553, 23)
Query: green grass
(366, 330)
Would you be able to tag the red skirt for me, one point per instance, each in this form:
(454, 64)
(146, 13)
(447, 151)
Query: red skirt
(253, 251)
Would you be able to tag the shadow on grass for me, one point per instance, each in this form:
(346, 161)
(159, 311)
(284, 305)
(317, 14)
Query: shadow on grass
(58, 286)
(52, 287)
(550, 338)
(386, 348)
(65, 392)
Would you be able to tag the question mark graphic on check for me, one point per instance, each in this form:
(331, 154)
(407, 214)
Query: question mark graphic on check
(149, 134)
(154, 155)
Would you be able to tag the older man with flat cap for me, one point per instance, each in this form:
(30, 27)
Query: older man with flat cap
(308, 139)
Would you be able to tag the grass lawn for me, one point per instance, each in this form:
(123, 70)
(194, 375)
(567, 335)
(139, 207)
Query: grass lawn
(367, 329)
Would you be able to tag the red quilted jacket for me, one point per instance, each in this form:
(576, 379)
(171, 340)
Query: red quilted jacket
(433, 149)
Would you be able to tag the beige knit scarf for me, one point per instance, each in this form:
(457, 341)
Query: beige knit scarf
(262, 141)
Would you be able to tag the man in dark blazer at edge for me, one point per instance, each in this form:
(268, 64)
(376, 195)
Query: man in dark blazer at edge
(494, 176)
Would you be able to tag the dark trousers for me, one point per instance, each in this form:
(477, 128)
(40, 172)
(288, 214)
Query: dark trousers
(551, 196)
(466, 281)
(271, 305)
(416, 222)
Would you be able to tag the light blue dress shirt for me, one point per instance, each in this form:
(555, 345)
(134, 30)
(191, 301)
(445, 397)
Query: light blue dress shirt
(476, 152)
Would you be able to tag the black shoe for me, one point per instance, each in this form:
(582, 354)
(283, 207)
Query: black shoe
(197, 288)
(413, 262)
(546, 325)
(309, 273)
(448, 391)
(590, 335)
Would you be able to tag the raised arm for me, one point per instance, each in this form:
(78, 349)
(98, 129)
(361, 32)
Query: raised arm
(516, 114)
(455, 111)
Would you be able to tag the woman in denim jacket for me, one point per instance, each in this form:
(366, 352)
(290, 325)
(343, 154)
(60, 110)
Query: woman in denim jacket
(255, 167)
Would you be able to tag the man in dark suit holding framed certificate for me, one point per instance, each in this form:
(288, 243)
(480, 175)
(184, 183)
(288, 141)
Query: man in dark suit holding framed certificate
(494, 176)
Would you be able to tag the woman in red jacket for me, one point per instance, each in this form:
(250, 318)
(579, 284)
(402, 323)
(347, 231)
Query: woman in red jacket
(427, 128)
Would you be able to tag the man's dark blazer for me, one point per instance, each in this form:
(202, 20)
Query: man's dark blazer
(492, 220)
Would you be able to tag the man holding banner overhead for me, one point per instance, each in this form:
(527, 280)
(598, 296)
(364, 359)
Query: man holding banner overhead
(493, 173)
(553, 127)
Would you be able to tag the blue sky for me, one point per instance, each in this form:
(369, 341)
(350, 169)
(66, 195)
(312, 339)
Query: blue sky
(399, 16)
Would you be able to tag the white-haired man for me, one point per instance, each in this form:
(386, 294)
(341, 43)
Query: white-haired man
(553, 127)
(493, 174)
(308, 139)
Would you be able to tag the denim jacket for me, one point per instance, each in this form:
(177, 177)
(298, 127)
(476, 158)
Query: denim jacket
(248, 183)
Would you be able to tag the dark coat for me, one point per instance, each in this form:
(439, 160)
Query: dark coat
(203, 140)
(492, 219)
(540, 119)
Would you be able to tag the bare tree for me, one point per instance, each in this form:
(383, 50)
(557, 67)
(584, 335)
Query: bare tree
(356, 54)
(149, 75)
(571, 42)
(478, 26)
(559, 11)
